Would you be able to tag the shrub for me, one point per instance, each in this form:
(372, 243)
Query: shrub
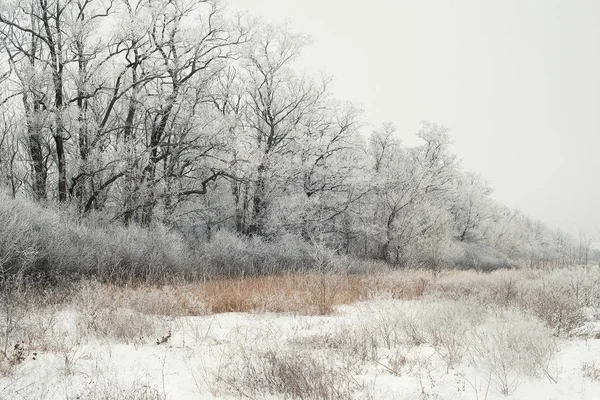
(480, 257)
(351, 340)
(125, 325)
(101, 315)
(48, 244)
(509, 346)
(500, 287)
(111, 391)
(230, 254)
(553, 302)
(290, 374)
(28, 322)
(445, 326)
(18, 250)
(591, 370)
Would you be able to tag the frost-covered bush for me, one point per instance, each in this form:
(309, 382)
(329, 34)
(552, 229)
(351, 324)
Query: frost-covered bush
(554, 305)
(109, 390)
(50, 244)
(231, 254)
(286, 373)
(557, 297)
(510, 346)
(357, 340)
(388, 324)
(579, 283)
(591, 370)
(501, 287)
(445, 324)
(18, 250)
(127, 326)
(442, 324)
(100, 314)
(480, 257)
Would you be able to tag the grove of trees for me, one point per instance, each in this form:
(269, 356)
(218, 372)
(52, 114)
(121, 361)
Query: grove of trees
(184, 114)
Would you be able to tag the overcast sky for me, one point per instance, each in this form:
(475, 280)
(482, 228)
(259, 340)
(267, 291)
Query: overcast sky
(517, 81)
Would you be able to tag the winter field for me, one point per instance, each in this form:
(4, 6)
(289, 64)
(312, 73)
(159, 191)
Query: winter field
(508, 334)
(191, 208)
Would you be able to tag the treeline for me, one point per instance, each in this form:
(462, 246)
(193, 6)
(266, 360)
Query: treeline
(182, 114)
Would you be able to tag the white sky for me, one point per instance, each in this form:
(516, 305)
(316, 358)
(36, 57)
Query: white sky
(517, 81)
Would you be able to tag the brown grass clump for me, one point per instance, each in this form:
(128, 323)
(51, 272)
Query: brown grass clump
(304, 293)
(308, 294)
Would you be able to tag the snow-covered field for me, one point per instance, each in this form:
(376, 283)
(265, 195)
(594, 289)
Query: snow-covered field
(453, 342)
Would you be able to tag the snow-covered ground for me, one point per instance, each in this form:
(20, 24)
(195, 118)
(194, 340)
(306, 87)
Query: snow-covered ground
(428, 348)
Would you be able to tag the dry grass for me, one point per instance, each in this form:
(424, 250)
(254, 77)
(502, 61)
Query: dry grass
(591, 370)
(126, 311)
(105, 390)
(305, 294)
(453, 318)
(291, 374)
(320, 293)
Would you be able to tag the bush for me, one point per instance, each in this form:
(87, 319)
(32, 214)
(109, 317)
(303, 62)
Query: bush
(115, 391)
(101, 315)
(445, 326)
(49, 245)
(555, 303)
(356, 340)
(230, 254)
(591, 370)
(18, 249)
(498, 288)
(290, 374)
(510, 346)
(476, 256)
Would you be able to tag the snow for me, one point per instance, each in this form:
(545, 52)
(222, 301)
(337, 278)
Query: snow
(195, 360)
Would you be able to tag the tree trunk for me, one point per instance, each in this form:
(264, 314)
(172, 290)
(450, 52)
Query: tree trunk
(258, 204)
(39, 170)
(62, 168)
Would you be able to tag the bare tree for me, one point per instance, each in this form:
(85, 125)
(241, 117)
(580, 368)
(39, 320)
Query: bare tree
(278, 102)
